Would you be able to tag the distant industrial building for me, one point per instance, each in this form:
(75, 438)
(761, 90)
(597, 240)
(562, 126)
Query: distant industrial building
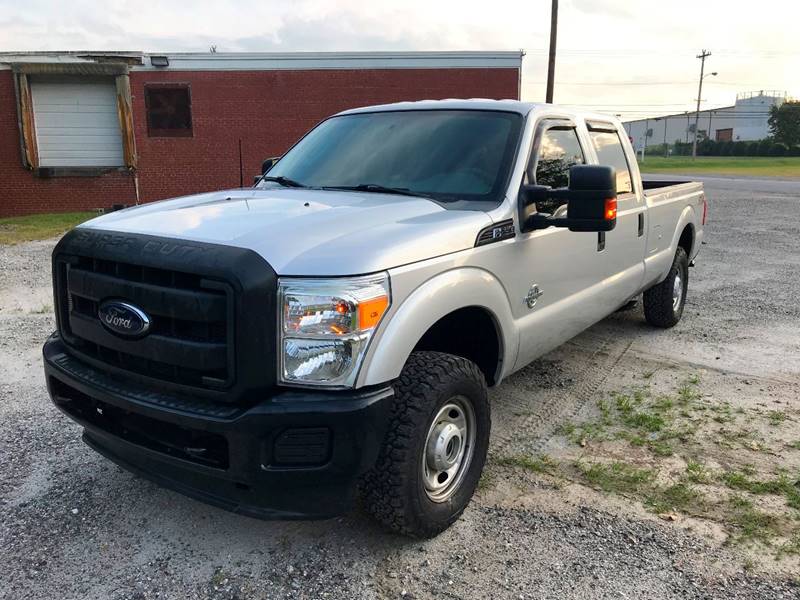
(746, 120)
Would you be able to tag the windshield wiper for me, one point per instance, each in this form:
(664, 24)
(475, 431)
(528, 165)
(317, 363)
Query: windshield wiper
(377, 189)
(284, 181)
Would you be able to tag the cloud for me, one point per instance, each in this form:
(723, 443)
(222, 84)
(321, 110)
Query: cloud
(607, 41)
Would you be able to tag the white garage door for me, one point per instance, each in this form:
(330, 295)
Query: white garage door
(76, 122)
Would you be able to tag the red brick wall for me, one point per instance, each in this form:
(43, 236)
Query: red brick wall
(267, 110)
(22, 193)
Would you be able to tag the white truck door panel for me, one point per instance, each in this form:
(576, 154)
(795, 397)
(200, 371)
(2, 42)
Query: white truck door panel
(561, 264)
(625, 244)
(564, 265)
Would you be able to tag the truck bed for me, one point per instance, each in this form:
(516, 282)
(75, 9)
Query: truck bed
(653, 184)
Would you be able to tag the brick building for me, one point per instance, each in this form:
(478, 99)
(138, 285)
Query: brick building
(89, 130)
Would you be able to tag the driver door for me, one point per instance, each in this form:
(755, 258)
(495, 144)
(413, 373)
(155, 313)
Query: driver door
(556, 268)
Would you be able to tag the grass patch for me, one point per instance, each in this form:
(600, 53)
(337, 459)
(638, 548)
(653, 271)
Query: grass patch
(688, 393)
(219, 577)
(638, 418)
(752, 524)
(616, 476)
(486, 481)
(696, 472)
(782, 485)
(766, 166)
(540, 464)
(776, 417)
(792, 546)
(633, 481)
(686, 422)
(14, 230)
(680, 496)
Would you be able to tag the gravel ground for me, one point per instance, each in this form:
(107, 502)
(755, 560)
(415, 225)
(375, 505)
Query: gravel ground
(74, 525)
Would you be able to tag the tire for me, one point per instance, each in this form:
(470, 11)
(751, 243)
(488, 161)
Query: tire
(663, 303)
(434, 393)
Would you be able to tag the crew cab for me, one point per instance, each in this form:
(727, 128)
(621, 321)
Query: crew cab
(332, 331)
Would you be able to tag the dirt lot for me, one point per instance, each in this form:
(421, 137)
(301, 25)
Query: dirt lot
(628, 463)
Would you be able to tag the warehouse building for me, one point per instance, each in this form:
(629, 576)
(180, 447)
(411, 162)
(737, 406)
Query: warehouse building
(90, 130)
(746, 120)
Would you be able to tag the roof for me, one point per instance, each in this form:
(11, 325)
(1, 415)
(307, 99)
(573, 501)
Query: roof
(516, 106)
(254, 61)
(690, 113)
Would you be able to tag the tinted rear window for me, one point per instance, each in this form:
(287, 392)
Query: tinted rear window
(610, 153)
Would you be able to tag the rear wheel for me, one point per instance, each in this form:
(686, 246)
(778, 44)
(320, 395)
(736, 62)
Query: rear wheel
(663, 303)
(435, 447)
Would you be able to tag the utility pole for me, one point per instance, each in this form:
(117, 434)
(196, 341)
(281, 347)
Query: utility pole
(646, 129)
(702, 56)
(551, 64)
(710, 112)
(666, 152)
(687, 126)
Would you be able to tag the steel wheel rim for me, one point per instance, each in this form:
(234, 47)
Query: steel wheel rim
(449, 447)
(677, 291)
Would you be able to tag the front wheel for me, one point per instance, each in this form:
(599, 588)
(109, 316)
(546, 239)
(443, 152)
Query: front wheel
(663, 303)
(435, 448)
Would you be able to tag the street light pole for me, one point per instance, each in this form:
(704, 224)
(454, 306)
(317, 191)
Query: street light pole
(702, 56)
(551, 64)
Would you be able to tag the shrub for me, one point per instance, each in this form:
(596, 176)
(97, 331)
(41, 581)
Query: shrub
(655, 150)
(739, 148)
(706, 148)
(764, 147)
(778, 149)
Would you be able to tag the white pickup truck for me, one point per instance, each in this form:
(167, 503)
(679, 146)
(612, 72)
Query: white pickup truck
(333, 330)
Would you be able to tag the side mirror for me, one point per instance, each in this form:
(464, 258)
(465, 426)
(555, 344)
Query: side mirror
(591, 201)
(268, 164)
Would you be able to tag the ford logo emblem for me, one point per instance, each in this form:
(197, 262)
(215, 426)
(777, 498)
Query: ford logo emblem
(123, 318)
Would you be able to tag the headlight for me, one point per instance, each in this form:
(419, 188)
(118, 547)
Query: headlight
(326, 325)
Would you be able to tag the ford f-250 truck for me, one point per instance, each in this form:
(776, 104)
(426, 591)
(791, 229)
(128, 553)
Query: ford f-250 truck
(276, 350)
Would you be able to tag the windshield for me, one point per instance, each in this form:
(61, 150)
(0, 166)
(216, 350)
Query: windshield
(448, 155)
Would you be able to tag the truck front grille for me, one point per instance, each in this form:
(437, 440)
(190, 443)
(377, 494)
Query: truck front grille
(190, 341)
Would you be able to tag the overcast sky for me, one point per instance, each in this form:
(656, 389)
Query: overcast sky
(625, 56)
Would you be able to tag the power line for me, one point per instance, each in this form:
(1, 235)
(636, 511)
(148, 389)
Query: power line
(613, 83)
(671, 52)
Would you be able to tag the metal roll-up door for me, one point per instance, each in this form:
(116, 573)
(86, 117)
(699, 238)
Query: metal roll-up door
(76, 121)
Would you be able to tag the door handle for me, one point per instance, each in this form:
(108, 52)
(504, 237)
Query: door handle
(641, 224)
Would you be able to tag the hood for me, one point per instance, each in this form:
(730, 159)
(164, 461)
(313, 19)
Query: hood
(309, 232)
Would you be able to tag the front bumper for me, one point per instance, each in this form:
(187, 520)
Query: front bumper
(296, 454)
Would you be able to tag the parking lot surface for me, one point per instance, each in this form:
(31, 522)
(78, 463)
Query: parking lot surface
(73, 525)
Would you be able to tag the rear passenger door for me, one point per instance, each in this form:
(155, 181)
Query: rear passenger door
(623, 248)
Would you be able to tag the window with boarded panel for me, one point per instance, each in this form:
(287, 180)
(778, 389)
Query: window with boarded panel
(169, 110)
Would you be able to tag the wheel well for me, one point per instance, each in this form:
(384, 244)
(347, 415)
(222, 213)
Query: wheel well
(686, 240)
(469, 332)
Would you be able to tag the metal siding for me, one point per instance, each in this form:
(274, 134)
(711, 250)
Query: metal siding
(77, 123)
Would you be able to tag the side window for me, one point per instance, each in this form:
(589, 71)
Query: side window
(610, 153)
(559, 150)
